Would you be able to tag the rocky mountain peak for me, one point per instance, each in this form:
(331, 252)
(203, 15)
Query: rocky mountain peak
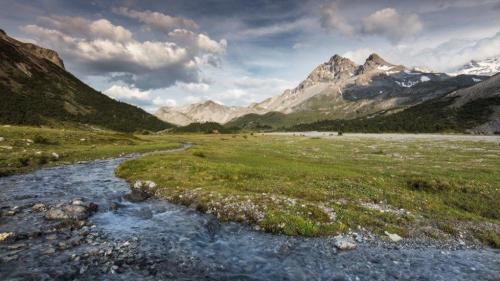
(375, 61)
(336, 68)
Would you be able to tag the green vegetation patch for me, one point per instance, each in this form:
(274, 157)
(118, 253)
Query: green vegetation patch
(23, 149)
(311, 187)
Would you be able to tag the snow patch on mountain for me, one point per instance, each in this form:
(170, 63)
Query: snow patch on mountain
(487, 67)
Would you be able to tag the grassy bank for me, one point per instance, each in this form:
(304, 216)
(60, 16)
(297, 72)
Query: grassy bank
(23, 149)
(310, 186)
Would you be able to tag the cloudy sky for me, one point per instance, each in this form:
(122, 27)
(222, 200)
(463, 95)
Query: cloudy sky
(172, 52)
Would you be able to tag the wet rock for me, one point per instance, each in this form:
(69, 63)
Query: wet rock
(137, 195)
(39, 207)
(394, 237)
(345, 243)
(77, 210)
(4, 236)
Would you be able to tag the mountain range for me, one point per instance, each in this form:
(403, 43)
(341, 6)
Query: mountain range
(36, 89)
(377, 96)
(336, 89)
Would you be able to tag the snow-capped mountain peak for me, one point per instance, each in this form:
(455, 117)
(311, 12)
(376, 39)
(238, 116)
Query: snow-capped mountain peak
(488, 67)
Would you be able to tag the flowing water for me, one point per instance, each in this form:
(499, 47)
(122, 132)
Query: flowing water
(156, 240)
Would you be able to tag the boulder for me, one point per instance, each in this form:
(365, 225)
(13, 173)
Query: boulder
(394, 237)
(55, 156)
(39, 207)
(345, 243)
(137, 195)
(76, 210)
(6, 235)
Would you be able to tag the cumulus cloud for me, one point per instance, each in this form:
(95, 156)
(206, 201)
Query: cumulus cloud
(332, 20)
(80, 27)
(198, 42)
(194, 87)
(387, 23)
(392, 25)
(101, 48)
(129, 94)
(157, 20)
(445, 57)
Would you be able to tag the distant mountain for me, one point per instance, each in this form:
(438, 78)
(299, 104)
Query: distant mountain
(487, 67)
(474, 109)
(35, 89)
(207, 111)
(340, 89)
(336, 89)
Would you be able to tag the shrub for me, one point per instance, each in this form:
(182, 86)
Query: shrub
(199, 154)
(42, 160)
(24, 161)
(41, 140)
(428, 186)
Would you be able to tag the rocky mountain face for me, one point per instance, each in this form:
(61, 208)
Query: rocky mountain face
(336, 89)
(208, 111)
(33, 50)
(487, 67)
(35, 89)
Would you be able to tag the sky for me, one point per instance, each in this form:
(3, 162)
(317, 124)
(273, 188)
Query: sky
(235, 52)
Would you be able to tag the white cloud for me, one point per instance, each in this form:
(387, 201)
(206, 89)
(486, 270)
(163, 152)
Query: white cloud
(387, 23)
(275, 29)
(444, 57)
(126, 93)
(194, 87)
(99, 47)
(198, 42)
(392, 25)
(332, 20)
(158, 101)
(80, 27)
(157, 20)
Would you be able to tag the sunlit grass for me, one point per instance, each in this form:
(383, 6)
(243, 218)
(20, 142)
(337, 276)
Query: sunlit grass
(291, 184)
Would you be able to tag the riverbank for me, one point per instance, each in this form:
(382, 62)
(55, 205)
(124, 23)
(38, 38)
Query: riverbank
(156, 240)
(24, 149)
(416, 189)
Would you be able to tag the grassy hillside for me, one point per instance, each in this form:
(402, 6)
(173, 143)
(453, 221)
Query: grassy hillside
(205, 128)
(428, 117)
(35, 91)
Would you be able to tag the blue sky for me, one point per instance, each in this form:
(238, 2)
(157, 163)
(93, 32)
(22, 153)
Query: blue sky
(154, 53)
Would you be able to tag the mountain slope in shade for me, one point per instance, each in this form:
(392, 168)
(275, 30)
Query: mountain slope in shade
(35, 89)
(486, 67)
(474, 109)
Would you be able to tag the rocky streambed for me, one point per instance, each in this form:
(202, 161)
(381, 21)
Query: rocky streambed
(80, 222)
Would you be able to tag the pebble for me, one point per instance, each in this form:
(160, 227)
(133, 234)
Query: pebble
(39, 207)
(6, 235)
(394, 237)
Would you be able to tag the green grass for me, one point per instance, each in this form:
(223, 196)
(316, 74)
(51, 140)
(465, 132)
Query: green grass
(27, 148)
(293, 185)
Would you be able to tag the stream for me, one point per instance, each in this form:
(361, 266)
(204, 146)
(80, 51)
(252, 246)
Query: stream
(156, 240)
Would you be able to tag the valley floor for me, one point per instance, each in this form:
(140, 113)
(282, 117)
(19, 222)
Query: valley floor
(24, 148)
(420, 187)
